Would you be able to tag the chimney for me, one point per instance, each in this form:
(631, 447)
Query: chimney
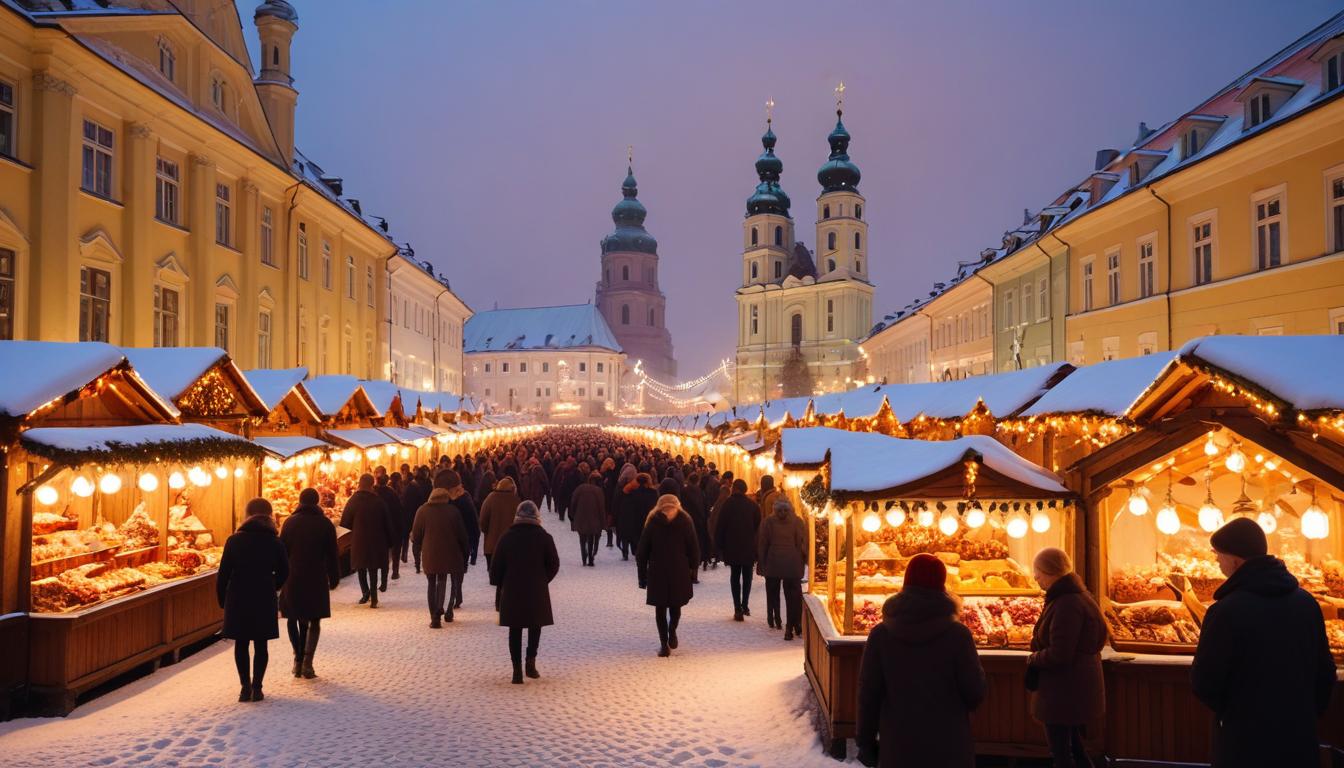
(355, 205)
(335, 183)
(1104, 158)
(1144, 133)
(276, 24)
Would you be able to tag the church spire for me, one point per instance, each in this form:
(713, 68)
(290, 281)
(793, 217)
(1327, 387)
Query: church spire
(628, 216)
(769, 197)
(838, 174)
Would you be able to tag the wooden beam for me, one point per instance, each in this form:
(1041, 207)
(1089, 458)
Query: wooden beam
(1256, 431)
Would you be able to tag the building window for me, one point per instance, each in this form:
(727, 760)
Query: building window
(487, 367)
(1257, 110)
(583, 367)
(222, 326)
(1332, 72)
(264, 339)
(825, 211)
(1147, 343)
(267, 243)
(858, 266)
(650, 315)
(583, 392)
(6, 294)
(97, 159)
(1113, 278)
(165, 316)
(796, 330)
(625, 314)
(167, 60)
(326, 265)
(755, 270)
(1087, 287)
(167, 191)
(1009, 308)
(830, 265)
(600, 392)
(1337, 214)
(779, 235)
(223, 214)
(858, 240)
(779, 269)
(522, 367)
(1336, 324)
(503, 367)
(95, 303)
(368, 285)
(538, 391)
(1190, 143)
(1028, 303)
(755, 236)
(1043, 300)
(324, 351)
(830, 241)
(1110, 348)
(1147, 286)
(1203, 252)
(601, 367)
(1269, 232)
(217, 94)
(830, 315)
(625, 272)
(350, 276)
(6, 119)
(545, 367)
(303, 250)
(858, 210)
(755, 320)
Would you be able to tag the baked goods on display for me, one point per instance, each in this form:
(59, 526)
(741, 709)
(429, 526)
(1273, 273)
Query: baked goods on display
(139, 530)
(45, 522)
(1334, 635)
(1001, 622)
(1332, 575)
(1133, 584)
(1153, 621)
(866, 616)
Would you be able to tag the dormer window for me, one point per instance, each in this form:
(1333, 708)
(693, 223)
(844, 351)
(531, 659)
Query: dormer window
(1331, 56)
(1190, 143)
(1264, 96)
(1195, 132)
(1145, 160)
(1258, 110)
(219, 94)
(167, 60)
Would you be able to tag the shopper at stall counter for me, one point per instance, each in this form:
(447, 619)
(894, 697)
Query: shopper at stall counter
(1064, 669)
(314, 569)
(252, 569)
(1263, 664)
(523, 565)
(920, 678)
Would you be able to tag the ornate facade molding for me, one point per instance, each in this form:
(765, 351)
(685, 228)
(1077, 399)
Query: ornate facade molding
(140, 131)
(45, 81)
(201, 160)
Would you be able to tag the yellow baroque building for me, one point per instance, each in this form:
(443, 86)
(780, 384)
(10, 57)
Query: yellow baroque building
(151, 193)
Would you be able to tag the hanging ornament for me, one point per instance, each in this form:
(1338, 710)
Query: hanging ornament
(1168, 521)
(871, 522)
(1138, 502)
(148, 482)
(221, 472)
(82, 487)
(1236, 460)
(948, 523)
(1040, 521)
(975, 516)
(1315, 524)
(1268, 522)
(1210, 447)
(46, 495)
(176, 481)
(1210, 516)
(1017, 525)
(109, 483)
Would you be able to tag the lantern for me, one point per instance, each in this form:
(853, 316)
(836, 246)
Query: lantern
(1040, 521)
(109, 483)
(176, 481)
(46, 495)
(948, 523)
(975, 516)
(1017, 525)
(1315, 523)
(82, 487)
(148, 482)
(871, 522)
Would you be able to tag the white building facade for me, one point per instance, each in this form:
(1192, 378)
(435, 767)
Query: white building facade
(425, 326)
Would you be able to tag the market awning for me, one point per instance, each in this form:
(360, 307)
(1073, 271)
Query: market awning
(1105, 389)
(288, 447)
(422, 430)
(807, 448)
(173, 372)
(862, 403)
(142, 444)
(361, 438)
(402, 435)
(332, 393)
(66, 369)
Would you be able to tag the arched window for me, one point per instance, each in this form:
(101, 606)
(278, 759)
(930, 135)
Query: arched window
(625, 314)
(625, 272)
(349, 276)
(830, 315)
(858, 240)
(275, 56)
(796, 330)
(754, 271)
(650, 315)
(779, 235)
(779, 269)
(858, 266)
(755, 236)
(830, 265)
(825, 211)
(858, 211)
(830, 241)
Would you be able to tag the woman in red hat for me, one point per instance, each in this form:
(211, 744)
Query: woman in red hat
(920, 678)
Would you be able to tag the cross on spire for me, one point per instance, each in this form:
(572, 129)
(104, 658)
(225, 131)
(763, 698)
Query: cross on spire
(769, 110)
(840, 97)
(630, 155)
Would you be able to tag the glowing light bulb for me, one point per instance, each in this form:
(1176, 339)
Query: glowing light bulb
(1236, 461)
(1168, 522)
(109, 483)
(405, 453)
(1017, 525)
(390, 450)
(975, 517)
(924, 517)
(948, 524)
(1040, 521)
(238, 472)
(176, 481)
(837, 518)
(372, 454)
(272, 464)
(221, 472)
(199, 477)
(1210, 516)
(1268, 522)
(871, 522)
(82, 487)
(1138, 502)
(895, 516)
(1315, 523)
(46, 495)
(148, 482)
(1210, 447)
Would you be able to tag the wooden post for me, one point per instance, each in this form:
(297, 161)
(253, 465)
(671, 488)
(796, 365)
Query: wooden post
(849, 573)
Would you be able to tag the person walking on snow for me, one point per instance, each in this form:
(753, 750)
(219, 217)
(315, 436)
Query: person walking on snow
(371, 535)
(782, 560)
(666, 559)
(633, 506)
(439, 538)
(309, 539)
(383, 487)
(588, 514)
(738, 524)
(524, 564)
(497, 514)
(252, 569)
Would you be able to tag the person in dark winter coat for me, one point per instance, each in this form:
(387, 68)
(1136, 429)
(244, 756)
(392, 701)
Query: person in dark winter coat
(1065, 663)
(466, 508)
(382, 486)
(439, 538)
(633, 506)
(415, 493)
(371, 535)
(534, 485)
(666, 559)
(252, 569)
(735, 536)
(782, 560)
(715, 507)
(1263, 664)
(567, 480)
(524, 565)
(693, 501)
(588, 515)
(314, 570)
(920, 678)
(497, 514)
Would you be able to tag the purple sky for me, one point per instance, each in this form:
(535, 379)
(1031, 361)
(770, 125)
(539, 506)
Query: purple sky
(492, 134)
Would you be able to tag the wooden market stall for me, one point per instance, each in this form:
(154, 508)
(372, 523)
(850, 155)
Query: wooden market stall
(203, 383)
(980, 508)
(290, 409)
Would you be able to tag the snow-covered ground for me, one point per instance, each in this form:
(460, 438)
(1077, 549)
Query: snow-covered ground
(393, 692)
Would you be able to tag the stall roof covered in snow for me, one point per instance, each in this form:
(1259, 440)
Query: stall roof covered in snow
(381, 394)
(402, 435)
(291, 445)
(171, 370)
(273, 385)
(33, 373)
(1307, 372)
(862, 403)
(1004, 394)
(775, 410)
(331, 393)
(362, 438)
(1104, 389)
(806, 448)
(862, 466)
(566, 327)
(140, 444)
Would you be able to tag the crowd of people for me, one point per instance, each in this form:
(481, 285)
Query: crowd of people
(920, 676)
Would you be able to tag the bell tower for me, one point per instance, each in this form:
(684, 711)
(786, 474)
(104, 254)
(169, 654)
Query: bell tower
(277, 21)
(842, 231)
(767, 232)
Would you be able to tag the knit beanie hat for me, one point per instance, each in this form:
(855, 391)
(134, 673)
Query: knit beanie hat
(447, 478)
(527, 513)
(925, 571)
(1241, 537)
(257, 508)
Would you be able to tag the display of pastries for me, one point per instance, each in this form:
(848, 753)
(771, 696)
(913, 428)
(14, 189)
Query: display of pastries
(1153, 622)
(139, 530)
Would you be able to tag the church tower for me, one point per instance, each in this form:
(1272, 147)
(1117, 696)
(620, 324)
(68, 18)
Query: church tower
(628, 295)
(842, 232)
(767, 232)
(277, 21)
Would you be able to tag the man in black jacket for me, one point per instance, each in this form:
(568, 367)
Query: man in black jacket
(1263, 664)
(383, 487)
(735, 536)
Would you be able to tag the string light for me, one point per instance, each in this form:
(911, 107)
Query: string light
(1017, 525)
(975, 516)
(221, 472)
(1040, 521)
(924, 517)
(148, 482)
(176, 481)
(948, 523)
(1138, 502)
(1236, 460)
(82, 487)
(1168, 521)
(46, 495)
(871, 522)
(1315, 524)
(109, 483)
(895, 517)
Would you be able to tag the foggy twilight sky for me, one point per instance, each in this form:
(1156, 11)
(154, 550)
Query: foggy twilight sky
(492, 134)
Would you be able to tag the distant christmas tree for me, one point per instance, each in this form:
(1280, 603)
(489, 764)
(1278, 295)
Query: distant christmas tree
(796, 377)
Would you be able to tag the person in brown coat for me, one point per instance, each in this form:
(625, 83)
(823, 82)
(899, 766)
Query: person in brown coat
(667, 556)
(497, 514)
(1064, 668)
(535, 485)
(588, 516)
(314, 569)
(439, 538)
(525, 563)
(371, 536)
(920, 678)
(252, 569)
(782, 559)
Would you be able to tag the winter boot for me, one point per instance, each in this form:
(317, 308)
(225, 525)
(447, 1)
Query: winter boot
(663, 652)
(532, 668)
(309, 650)
(517, 673)
(257, 695)
(298, 665)
(246, 693)
(364, 599)
(672, 638)
(373, 599)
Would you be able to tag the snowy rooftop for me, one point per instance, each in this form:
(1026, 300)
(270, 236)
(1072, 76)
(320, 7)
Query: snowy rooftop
(64, 368)
(362, 438)
(136, 444)
(1105, 389)
(402, 435)
(862, 464)
(287, 446)
(808, 447)
(863, 403)
(566, 327)
(331, 393)
(381, 394)
(273, 385)
(1307, 372)
(171, 370)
